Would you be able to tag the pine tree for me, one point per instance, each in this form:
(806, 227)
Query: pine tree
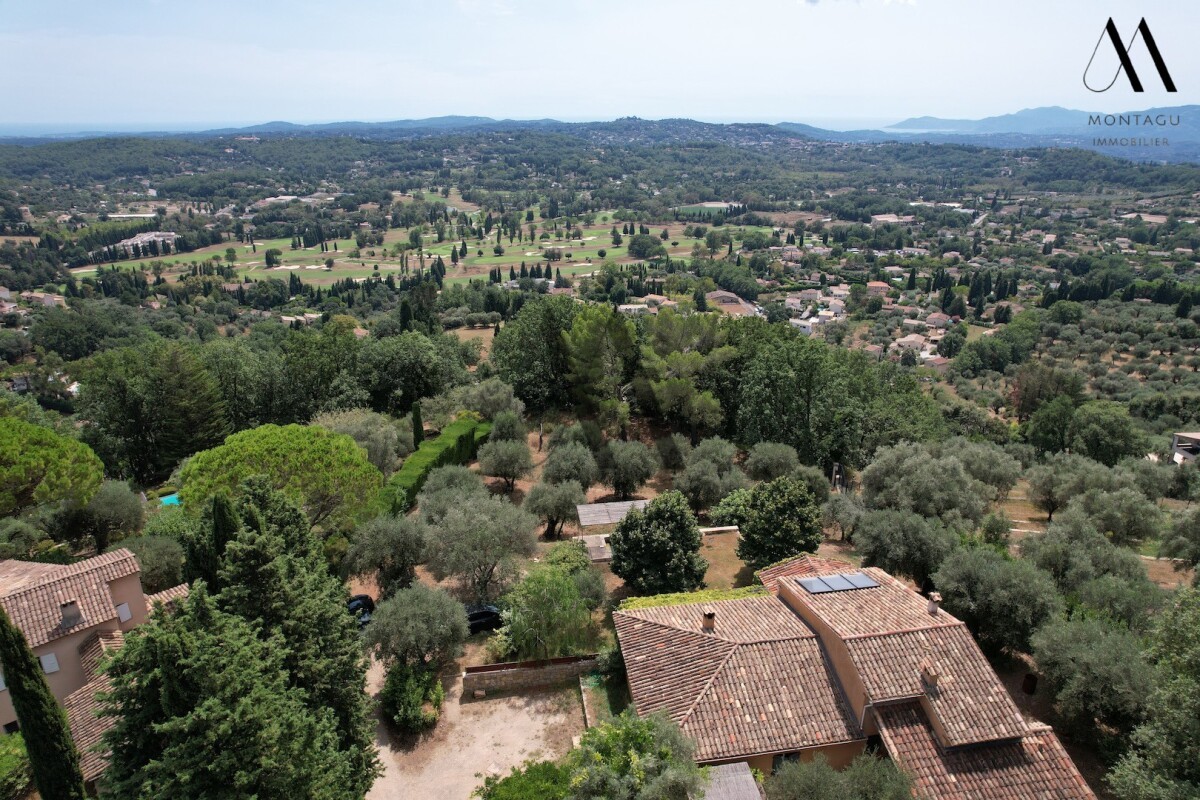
(52, 753)
(204, 547)
(203, 709)
(418, 425)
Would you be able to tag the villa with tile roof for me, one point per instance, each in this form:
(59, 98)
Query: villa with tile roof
(829, 657)
(72, 616)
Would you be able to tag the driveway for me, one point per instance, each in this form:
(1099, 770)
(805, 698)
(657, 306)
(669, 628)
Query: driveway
(473, 740)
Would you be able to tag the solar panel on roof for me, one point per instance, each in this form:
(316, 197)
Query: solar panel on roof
(843, 582)
(837, 583)
(861, 580)
(814, 585)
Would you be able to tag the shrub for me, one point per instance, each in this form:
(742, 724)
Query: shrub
(457, 444)
(534, 780)
(16, 775)
(571, 461)
(673, 451)
(411, 698)
(508, 460)
(770, 460)
(508, 427)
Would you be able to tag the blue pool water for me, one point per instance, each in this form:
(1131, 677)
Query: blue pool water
(169, 500)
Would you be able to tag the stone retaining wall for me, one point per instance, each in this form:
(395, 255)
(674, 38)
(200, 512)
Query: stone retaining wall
(525, 674)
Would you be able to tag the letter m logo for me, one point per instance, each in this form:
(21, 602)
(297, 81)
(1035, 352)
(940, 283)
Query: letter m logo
(1125, 62)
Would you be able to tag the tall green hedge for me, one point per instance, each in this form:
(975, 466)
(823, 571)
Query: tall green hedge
(457, 444)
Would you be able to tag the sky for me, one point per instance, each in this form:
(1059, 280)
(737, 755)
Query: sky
(170, 65)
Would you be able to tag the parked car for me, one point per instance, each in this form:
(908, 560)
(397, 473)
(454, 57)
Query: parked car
(483, 618)
(361, 606)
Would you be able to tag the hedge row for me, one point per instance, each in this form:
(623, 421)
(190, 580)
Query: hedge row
(457, 444)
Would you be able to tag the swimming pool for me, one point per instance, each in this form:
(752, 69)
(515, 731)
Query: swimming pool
(169, 499)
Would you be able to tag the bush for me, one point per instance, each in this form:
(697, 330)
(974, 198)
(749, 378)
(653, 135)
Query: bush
(784, 521)
(534, 780)
(626, 466)
(571, 461)
(508, 460)
(733, 510)
(161, 560)
(673, 451)
(770, 460)
(411, 698)
(16, 775)
(508, 427)
(457, 444)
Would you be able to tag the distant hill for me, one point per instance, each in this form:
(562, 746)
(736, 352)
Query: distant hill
(1047, 121)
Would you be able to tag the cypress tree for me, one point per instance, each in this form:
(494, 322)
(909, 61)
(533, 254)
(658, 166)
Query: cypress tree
(52, 753)
(418, 425)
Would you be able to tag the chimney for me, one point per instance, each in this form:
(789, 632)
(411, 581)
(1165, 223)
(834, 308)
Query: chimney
(935, 603)
(929, 673)
(71, 615)
(709, 625)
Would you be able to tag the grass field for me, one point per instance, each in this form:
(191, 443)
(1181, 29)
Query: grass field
(309, 263)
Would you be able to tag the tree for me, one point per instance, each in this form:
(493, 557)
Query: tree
(204, 544)
(634, 757)
(376, 433)
(904, 543)
(38, 466)
(908, 478)
(1053, 484)
(1163, 760)
(657, 550)
(843, 512)
(446, 488)
(1095, 670)
(625, 466)
(1183, 540)
(114, 512)
(531, 354)
(508, 460)
(418, 426)
(149, 407)
(274, 575)
(1002, 601)
(389, 549)
(1049, 429)
(43, 722)
(600, 345)
(866, 778)
(1124, 515)
(734, 509)
(547, 616)
(1103, 430)
(161, 560)
(703, 485)
(479, 541)
(507, 427)
(202, 709)
(326, 473)
(555, 503)
(771, 460)
(571, 462)
(1073, 552)
(784, 521)
(418, 626)
(645, 246)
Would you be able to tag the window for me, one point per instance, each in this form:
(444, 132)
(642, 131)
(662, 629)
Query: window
(12, 727)
(781, 759)
(3, 685)
(49, 663)
(123, 612)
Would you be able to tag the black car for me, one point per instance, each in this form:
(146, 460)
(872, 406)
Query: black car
(361, 606)
(483, 618)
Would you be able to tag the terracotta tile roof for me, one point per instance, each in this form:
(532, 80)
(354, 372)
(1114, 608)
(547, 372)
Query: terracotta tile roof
(35, 598)
(168, 597)
(802, 566)
(760, 683)
(95, 647)
(1035, 767)
(970, 702)
(87, 728)
(890, 607)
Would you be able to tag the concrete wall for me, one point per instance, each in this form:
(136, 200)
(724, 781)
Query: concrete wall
(525, 675)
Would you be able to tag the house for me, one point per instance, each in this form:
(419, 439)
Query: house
(913, 341)
(877, 288)
(828, 657)
(810, 295)
(937, 320)
(44, 299)
(729, 303)
(71, 615)
(5, 293)
(634, 309)
(807, 326)
(1185, 447)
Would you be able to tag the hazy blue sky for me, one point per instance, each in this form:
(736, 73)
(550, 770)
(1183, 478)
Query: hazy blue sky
(166, 63)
